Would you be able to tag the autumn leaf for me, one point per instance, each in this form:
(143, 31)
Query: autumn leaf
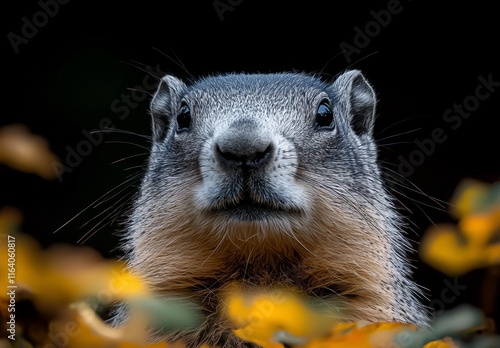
(368, 336)
(445, 343)
(475, 241)
(82, 327)
(64, 274)
(277, 315)
(26, 152)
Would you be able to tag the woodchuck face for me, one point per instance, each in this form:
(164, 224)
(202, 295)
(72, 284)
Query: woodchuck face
(269, 179)
(258, 155)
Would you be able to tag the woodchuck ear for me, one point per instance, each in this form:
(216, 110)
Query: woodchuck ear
(356, 99)
(165, 104)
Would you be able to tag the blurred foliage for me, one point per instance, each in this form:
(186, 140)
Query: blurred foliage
(475, 241)
(65, 285)
(26, 152)
(62, 290)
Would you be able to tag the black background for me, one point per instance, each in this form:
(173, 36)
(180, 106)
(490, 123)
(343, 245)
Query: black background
(66, 78)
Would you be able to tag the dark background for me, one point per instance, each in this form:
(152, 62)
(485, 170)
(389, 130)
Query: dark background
(67, 77)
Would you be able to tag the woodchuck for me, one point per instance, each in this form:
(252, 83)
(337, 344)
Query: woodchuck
(269, 179)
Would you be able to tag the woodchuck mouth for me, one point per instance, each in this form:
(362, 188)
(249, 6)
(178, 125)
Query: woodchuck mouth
(248, 209)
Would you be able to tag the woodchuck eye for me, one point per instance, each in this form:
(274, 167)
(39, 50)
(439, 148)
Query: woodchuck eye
(324, 116)
(184, 118)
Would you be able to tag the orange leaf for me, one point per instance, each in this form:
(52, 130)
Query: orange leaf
(26, 152)
(480, 228)
(445, 343)
(369, 336)
(260, 316)
(441, 248)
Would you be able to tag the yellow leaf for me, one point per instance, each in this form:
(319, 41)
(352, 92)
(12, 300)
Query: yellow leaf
(457, 251)
(64, 274)
(445, 343)
(260, 316)
(26, 152)
(369, 336)
(81, 327)
(480, 228)
(441, 248)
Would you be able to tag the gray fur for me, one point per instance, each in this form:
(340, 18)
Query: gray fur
(322, 219)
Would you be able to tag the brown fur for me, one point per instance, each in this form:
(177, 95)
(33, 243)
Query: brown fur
(342, 252)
